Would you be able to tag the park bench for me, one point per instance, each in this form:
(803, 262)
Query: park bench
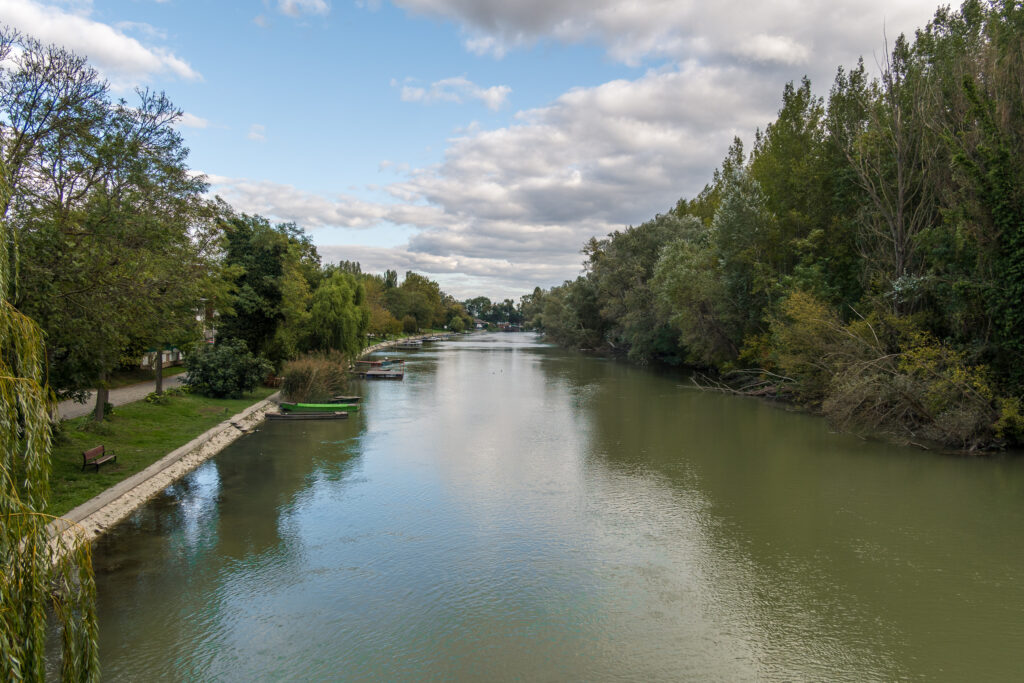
(96, 456)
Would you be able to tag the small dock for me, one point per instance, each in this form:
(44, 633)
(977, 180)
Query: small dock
(387, 369)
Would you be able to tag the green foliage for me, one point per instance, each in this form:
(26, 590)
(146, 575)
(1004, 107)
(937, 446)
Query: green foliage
(339, 314)
(1009, 427)
(227, 370)
(39, 572)
(165, 397)
(315, 378)
(923, 392)
(419, 297)
(409, 325)
(277, 267)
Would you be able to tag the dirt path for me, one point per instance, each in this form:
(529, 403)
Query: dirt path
(129, 394)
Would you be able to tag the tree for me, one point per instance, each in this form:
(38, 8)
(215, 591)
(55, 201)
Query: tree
(419, 297)
(269, 309)
(105, 226)
(339, 314)
(35, 572)
(621, 267)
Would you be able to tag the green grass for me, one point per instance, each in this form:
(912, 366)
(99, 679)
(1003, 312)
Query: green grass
(139, 433)
(124, 378)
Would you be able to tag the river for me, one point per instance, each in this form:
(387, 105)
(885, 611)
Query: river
(515, 511)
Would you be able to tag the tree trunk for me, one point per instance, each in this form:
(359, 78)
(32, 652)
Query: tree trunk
(158, 371)
(102, 394)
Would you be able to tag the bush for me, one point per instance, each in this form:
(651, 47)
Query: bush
(165, 397)
(409, 325)
(315, 378)
(924, 391)
(226, 370)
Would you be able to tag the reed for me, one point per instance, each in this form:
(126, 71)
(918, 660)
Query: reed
(315, 377)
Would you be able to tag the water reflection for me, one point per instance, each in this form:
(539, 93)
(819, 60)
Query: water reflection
(513, 511)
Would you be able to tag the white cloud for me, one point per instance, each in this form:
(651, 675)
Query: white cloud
(261, 21)
(509, 208)
(119, 57)
(288, 203)
(188, 120)
(515, 204)
(784, 32)
(141, 28)
(257, 132)
(456, 89)
(296, 8)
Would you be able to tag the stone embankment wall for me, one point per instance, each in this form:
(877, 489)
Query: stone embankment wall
(95, 516)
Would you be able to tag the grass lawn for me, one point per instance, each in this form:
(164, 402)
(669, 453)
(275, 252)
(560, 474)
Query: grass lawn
(139, 433)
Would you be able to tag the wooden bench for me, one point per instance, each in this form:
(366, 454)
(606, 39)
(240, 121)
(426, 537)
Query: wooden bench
(96, 456)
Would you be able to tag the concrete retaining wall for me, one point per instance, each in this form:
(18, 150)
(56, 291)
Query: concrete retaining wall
(92, 518)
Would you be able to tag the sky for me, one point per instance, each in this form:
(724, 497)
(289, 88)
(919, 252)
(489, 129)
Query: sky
(479, 142)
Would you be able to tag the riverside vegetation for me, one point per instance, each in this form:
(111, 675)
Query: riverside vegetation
(865, 259)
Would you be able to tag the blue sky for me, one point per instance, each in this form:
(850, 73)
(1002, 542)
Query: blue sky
(478, 141)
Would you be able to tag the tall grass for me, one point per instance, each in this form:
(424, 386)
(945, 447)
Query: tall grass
(315, 377)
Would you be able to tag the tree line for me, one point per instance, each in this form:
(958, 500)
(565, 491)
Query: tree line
(864, 258)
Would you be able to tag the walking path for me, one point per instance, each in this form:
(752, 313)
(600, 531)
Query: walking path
(128, 394)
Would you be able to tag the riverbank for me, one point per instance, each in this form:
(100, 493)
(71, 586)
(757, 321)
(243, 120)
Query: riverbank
(89, 503)
(140, 433)
(91, 518)
(394, 342)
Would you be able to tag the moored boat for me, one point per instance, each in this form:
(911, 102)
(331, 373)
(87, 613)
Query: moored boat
(337, 415)
(317, 407)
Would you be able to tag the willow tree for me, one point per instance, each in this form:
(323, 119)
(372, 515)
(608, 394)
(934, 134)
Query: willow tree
(39, 576)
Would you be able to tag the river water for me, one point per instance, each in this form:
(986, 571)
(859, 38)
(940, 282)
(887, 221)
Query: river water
(514, 511)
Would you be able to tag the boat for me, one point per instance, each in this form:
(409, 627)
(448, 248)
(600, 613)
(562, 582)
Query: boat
(337, 415)
(317, 407)
(393, 369)
(346, 399)
(410, 344)
(380, 363)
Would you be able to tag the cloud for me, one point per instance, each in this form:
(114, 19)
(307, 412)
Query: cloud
(509, 208)
(188, 120)
(288, 203)
(457, 89)
(297, 8)
(141, 28)
(119, 57)
(773, 31)
(515, 204)
(257, 132)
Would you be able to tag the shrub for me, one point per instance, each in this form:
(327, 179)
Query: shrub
(163, 398)
(925, 391)
(226, 370)
(409, 325)
(315, 377)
